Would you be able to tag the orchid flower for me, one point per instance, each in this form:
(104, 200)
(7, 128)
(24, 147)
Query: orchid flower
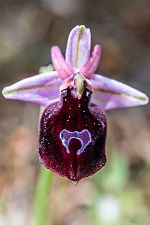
(73, 126)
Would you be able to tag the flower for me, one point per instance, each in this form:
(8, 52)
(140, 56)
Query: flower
(73, 126)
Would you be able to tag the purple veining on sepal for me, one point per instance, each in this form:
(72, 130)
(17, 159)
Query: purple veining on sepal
(78, 47)
(91, 65)
(59, 63)
(41, 89)
(109, 94)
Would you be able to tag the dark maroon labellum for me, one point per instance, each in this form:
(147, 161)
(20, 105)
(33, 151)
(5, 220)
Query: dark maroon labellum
(72, 136)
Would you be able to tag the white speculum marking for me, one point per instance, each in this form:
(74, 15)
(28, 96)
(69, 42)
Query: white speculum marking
(83, 136)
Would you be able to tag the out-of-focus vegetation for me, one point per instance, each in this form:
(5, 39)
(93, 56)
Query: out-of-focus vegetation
(120, 192)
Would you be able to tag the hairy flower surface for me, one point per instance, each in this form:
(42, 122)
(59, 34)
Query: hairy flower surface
(73, 126)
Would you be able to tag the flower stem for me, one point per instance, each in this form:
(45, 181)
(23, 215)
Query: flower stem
(41, 196)
(44, 182)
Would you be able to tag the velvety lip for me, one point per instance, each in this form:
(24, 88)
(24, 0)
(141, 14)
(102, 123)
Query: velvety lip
(72, 114)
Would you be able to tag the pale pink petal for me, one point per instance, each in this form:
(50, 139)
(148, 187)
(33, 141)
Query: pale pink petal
(78, 47)
(109, 94)
(42, 89)
(90, 67)
(59, 63)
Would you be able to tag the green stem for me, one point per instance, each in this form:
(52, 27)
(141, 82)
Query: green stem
(40, 202)
(41, 196)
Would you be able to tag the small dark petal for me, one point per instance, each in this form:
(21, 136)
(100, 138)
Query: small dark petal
(72, 137)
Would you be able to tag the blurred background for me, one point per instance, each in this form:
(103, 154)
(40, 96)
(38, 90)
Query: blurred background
(120, 192)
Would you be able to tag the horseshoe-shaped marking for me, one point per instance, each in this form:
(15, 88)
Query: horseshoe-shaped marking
(83, 136)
